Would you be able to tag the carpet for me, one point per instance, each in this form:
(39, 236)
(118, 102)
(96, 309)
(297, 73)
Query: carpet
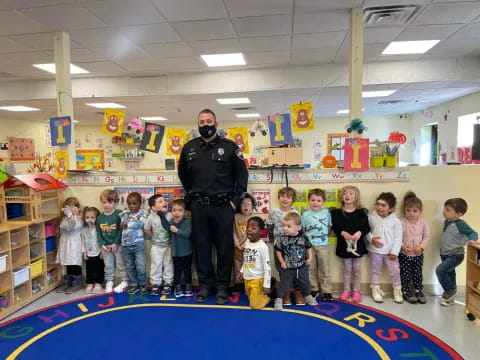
(139, 327)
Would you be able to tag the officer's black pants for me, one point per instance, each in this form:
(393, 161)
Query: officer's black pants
(213, 224)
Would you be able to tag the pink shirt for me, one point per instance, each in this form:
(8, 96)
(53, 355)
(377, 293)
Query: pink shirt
(414, 234)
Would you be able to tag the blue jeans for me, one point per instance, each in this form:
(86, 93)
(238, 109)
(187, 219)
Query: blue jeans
(446, 271)
(134, 257)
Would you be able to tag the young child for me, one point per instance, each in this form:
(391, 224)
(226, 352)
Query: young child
(244, 211)
(92, 252)
(286, 197)
(416, 236)
(133, 244)
(456, 233)
(109, 234)
(384, 243)
(256, 265)
(317, 223)
(181, 229)
(161, 252)
(294, 253)
(69, 251)
(350, 224)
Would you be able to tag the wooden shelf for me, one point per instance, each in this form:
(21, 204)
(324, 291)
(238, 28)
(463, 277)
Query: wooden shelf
(37, 240)
(18, 246)
(473, 262)
(4, 251)
(6, 270)
(127, 145)
(37, 257)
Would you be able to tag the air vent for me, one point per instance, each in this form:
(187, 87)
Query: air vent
(243, 108)
(390, 102)
(389, 15)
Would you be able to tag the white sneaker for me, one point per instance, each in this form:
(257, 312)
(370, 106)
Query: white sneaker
(377, 294)
(97, 289)
(109, 286)
(278, 305)
(397, 294)
(121, 287)
(88, 289)
(310, 300)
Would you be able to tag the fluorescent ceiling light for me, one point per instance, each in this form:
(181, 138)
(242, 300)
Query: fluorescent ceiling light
(153, 118)
(76, 121)
(74, 69)
(18, 108)
(381, 93)
(224, 59)
(106, 105)
(244, 116)
(345, 111)
(231, 101)
(409, 47)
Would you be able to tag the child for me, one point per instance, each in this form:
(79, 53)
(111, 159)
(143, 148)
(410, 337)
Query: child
(317, 223)
(294, 254)
(133, 244)
(109, 236)
(256, 265)
(385, 241)
(350, 224)
(456, 233)
(92, 252)
(181, 229)
(416, 236)
(286, 197)
(70, 246)
(161, 251)
(244, 211)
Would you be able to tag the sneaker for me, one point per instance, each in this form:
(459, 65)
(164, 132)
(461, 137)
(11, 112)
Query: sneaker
(357, 297)
(377, 294)
(179, 291)
(155, 290)
(444, 302)
(89, 289)
(310, 300)
(143, 290)
(97, 289)
(278, 304)
(314, 293)
(121, 287)
(327, 297)
(202, 295)
(167, 289)
(345, 295)
(420, 297)
(299, 299)
(397, 294)
(133, 290)
(410, 297)
(448, 295)
(287, 301)
(188, 290)
(109, 286)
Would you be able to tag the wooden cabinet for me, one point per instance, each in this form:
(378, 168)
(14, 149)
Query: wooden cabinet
(472, 294)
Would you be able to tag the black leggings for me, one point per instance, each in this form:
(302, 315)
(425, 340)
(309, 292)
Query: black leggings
(74, 270)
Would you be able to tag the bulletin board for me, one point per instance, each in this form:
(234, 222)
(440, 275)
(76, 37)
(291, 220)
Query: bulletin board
(90, 159)
(21, 149)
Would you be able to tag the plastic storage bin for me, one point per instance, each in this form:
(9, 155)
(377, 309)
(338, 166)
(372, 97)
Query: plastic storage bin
(21, 275)
(36, 268)
(50, 229)
(4, 300)
(376, 162)
(3, 263)
(391, 161)
(50, 244)
(14, 211)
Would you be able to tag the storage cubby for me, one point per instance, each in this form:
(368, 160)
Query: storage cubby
(5, 281)
(6, 301)
(20, 256)
(38, 284)
(18, 237)
(36, 233)
(472, 295)
(4, 242)
(22, 294)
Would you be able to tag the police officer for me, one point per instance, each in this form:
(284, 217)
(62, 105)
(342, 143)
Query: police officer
(214, 175)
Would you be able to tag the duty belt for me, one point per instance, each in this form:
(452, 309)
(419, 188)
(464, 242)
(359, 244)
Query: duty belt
(218, 199)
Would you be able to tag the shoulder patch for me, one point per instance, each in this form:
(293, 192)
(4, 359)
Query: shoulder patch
(239, 154)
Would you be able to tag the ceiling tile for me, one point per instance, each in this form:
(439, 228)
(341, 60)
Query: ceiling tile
(103, 68)
(428, 32)
(22, 4)
(125, 12)
(12, 22)
(246, 8)
(454, 13)
(216, 46)
(9, 45)
(104, 37)
(268, 57)
(169, 50)
(28, 72)
(87, 55)
(43, 41)
(269, 43)
(320, 22)
(205, 30)
(184, 10)
(381, 34)
(452, 48)
(182, 63)
(139, 64)
(263, 25)
(470, 31)
(318, 40)
(313, 56)
(148, 34)
(370, 52)
(309, 6)
(29, 58)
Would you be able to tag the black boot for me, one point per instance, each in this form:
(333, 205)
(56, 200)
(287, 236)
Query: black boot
(75, 285)
(67, 282)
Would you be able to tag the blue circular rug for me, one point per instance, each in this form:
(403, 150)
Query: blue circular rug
(135, 327)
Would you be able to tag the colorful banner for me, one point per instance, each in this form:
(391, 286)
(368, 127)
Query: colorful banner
(61, 164)
(302, 116)
(175, 139)
(90, 159)
(280, 129)
(113, 122)
(21, 149)
(357, 154)
(123, 191)
(152, 137)
(239, 135)
(170, 194)
(61, 130)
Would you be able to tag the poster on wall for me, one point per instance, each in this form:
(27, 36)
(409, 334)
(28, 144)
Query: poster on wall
(175, 139)
(170, 193)
(21, 149)
(78, 143)
(280, 129)
(239, 135)
(302, 116)
(262, 199)
(152, 137)
(357, 154)
(113, 122)
(123, 191)
(61, 164)
(47, 136)
(99, 143)
(61, 130)
(90, 159)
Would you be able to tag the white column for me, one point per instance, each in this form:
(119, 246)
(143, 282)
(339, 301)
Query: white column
(356, 62)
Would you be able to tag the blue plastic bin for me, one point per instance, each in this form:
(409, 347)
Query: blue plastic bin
(50, 244)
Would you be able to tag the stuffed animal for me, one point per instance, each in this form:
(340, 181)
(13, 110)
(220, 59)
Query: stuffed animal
(136, 124)
(356, 126)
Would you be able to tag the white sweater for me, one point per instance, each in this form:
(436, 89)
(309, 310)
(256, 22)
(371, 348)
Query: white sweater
(256, 262)
(389, 229)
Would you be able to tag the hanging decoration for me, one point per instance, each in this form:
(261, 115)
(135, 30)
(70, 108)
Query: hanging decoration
(113, 122)
(356, 154)
(258, 127)
(175, 139)
(61, 164)
(355, 128)
(135, 124)
(302, 116)
(280, 129)
(61, 130)
(41, 164)
(152, 138)
(239, 135)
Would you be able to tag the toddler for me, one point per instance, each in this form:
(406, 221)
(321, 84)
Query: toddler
(92, 253)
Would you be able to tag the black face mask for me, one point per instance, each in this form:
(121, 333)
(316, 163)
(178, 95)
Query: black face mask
(207, 131)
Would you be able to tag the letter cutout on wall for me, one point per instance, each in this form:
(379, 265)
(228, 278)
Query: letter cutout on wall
(152, 138)
(280, 129)
(61, 130)
(357, 154)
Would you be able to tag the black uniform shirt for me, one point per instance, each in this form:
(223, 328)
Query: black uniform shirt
(214, 167)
